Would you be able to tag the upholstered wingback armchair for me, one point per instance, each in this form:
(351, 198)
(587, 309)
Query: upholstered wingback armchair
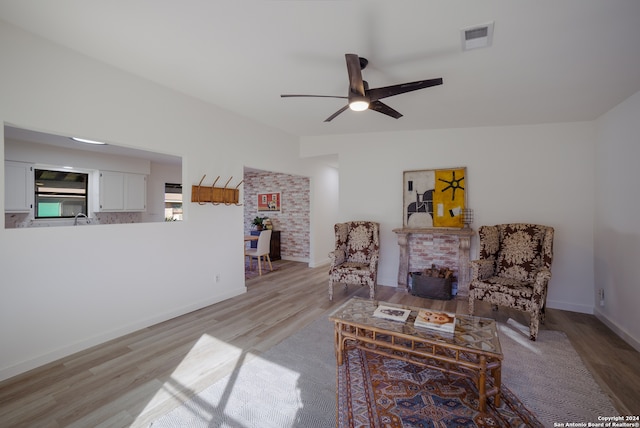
(355, 258)
(514, 269)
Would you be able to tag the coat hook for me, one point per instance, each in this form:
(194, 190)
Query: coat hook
(215, 195)
(224, 194)
(237, 203)
(212, 191)
(199, 187)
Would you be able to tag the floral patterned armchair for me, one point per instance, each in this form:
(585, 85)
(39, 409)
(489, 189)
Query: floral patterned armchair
(514, 269)
(355, 259)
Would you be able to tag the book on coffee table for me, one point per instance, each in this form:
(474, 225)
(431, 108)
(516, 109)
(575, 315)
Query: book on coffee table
(436, 320)
(391, 313)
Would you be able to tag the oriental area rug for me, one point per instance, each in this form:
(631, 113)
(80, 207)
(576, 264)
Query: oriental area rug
(377, 391)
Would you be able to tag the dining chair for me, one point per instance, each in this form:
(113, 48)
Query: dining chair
(261, 251)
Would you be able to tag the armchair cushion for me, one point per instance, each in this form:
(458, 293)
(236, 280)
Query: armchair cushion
(508, 286)
(520, 254)
(354, 266)
(362, 242)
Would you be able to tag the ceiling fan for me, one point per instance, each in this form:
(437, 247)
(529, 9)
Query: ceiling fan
(361, 97)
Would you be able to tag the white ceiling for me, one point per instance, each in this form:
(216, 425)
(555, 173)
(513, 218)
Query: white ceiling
(30, 136)
(551, 60)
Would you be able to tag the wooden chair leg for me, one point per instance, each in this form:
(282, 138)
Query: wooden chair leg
(270, 266)
(259, 266)
(533, 325)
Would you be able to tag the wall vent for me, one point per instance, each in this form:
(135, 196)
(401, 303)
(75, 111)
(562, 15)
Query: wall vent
(478, 36)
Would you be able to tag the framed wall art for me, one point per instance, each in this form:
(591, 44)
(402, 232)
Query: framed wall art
(269, 202)
(434, 198)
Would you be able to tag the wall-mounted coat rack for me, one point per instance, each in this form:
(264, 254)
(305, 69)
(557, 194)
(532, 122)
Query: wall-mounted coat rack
(215, 195)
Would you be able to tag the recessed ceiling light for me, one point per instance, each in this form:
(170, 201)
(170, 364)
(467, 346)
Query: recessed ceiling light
(82, 140)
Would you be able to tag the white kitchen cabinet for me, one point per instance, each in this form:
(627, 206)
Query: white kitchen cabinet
(135, 192)
(18, 187)
(122, 191)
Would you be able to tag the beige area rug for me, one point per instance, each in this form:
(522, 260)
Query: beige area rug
(294, 384)
(550, 378)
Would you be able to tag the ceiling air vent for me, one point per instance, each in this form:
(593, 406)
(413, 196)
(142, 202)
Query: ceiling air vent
(478, 36)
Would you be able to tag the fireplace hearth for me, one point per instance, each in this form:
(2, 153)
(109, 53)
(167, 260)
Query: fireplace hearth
(421, 248)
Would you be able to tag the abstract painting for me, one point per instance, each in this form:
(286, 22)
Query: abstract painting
(434, 198)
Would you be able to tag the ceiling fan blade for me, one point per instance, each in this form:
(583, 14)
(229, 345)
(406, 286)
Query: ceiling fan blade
(356, 85)
(380, 107)
(333, 116)
(314, 96)
(389, 91)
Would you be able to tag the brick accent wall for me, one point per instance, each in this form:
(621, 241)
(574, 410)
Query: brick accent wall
(293, 219)
(438, 249)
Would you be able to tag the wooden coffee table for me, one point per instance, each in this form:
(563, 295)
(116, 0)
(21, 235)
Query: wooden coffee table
(472, 350)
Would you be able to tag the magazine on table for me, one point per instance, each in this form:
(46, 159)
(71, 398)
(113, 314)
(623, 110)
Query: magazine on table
(436, 320)
(391, 313)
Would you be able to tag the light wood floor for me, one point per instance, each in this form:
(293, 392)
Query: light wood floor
(135, 379)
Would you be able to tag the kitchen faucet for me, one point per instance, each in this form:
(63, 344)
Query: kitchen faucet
(75, 221)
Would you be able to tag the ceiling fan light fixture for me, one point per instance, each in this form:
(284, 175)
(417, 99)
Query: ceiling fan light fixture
(358, 103)
(361, 98)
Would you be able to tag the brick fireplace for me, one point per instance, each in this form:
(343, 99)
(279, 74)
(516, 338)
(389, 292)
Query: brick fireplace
(444, 247)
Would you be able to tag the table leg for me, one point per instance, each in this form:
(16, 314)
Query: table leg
(482, 384)
(497, 378)
(339, 347)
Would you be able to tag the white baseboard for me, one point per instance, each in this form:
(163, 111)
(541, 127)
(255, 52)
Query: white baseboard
(296, 259)
(572, 307)
(318, 263)
(64, 351)
(635, 343)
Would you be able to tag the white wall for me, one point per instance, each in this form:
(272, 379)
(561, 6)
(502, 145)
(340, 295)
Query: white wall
(617, 228)
(539, 174)
(161, 174)
(325, 190)
(64, 289)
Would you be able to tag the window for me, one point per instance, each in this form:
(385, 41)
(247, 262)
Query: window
(172, 202)
(60, 194)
